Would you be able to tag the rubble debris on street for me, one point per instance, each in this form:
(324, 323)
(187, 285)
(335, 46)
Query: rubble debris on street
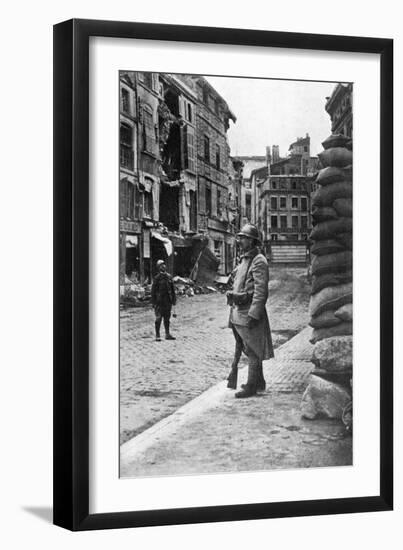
(133, 294)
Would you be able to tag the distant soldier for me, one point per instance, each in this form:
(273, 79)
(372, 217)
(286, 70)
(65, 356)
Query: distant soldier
(163, 298)
(248, 317)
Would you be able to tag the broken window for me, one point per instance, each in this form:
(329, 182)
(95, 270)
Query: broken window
(169, 206)
(172, 102)
(171, 153)
(148, 204)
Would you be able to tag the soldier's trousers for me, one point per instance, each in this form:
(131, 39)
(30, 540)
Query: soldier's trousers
(162, 313)
(255, 365)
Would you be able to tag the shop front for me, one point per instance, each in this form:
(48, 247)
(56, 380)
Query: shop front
(130, 251)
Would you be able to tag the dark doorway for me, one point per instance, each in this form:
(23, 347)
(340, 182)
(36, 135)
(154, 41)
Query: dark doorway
(169, 207)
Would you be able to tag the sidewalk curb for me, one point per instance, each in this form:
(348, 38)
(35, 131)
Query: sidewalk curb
(134, 447)
(169, 424)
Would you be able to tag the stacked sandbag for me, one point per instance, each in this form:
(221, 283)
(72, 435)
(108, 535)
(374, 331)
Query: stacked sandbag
(331, 293)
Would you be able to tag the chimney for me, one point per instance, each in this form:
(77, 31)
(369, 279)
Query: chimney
(268, 155)
(275, 153)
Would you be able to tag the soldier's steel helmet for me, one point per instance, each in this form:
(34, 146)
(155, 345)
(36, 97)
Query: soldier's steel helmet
(251, 231)
(160, 262)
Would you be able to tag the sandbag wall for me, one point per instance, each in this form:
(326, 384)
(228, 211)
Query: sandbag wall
(331, 317)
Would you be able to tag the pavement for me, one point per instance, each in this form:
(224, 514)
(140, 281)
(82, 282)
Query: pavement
(214, 432)
(157, 378)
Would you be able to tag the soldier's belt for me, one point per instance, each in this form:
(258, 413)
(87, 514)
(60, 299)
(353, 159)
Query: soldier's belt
(241, 298)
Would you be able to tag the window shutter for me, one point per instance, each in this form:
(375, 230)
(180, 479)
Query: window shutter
(202, 196)
(155, 82)
(182, 106)
(149, 131)
(190, 148)
(123, 197)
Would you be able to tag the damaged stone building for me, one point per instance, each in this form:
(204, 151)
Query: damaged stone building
(178, 185)
(213, 160)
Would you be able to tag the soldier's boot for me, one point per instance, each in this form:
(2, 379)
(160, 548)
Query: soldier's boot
(249, 389)
(168, 335)
(157, 331)
(261, 382)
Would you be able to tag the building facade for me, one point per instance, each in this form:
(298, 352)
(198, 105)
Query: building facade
(178, 185)
(213, 167)
(281, 206)
(250, 163)
(339, 108)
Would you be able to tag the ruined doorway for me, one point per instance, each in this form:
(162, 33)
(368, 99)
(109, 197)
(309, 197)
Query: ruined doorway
(169, 206)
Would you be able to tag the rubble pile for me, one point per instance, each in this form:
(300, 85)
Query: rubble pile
(133, 294)
(329, 389)
(185, 286)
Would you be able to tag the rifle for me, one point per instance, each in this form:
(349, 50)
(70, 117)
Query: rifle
(233, 375)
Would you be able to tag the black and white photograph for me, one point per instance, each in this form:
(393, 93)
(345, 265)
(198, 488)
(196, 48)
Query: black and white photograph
(201, 275)
(235, 274)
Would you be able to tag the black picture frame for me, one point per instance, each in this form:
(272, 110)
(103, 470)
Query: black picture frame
(71, 274)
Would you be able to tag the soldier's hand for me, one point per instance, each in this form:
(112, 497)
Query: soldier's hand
(252, 322)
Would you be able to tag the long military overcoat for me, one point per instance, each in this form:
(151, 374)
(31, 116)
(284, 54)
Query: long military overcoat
(163, 291)
(252, 276)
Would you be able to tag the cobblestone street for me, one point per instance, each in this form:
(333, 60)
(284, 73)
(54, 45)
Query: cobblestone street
(156, 378)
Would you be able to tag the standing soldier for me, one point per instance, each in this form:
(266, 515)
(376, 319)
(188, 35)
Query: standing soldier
(248, 317)
(163, 298)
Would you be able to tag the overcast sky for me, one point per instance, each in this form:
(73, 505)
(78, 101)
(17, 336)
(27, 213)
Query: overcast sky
(274, 112)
